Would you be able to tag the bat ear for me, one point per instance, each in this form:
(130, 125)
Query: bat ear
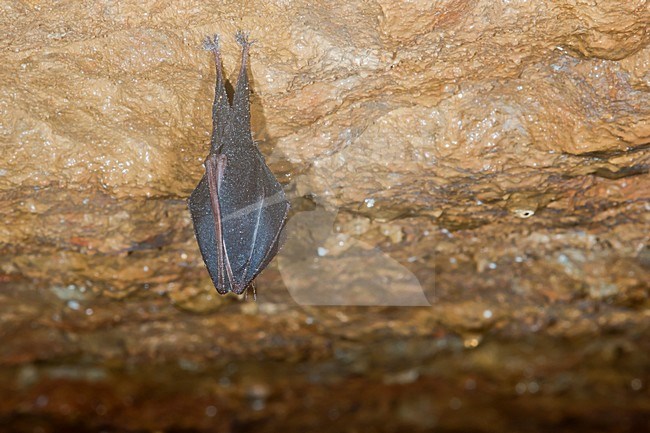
(221, 106)
(241, 99)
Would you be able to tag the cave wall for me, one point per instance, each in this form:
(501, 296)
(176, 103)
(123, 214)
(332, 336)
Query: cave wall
(468, 234)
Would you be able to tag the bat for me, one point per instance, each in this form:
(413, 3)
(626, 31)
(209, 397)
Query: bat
(238, 207)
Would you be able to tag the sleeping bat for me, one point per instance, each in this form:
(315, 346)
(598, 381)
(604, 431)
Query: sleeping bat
(238, 208)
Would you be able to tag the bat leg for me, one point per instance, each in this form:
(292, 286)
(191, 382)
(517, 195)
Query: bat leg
(242, 39)
(215, 167)
(220, 106)
(212, 44)
(241, 98)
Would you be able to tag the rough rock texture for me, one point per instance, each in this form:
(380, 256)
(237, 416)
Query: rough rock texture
(485, 162)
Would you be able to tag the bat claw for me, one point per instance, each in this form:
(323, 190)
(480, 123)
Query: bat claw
(242, 39)
(211, 43)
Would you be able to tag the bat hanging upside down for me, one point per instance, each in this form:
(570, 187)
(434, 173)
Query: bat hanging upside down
(238, 208)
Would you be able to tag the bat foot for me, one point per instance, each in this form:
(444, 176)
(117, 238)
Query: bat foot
(211, 44)
(242, 39)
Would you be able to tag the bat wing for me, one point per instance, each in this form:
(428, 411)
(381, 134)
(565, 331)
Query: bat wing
(254, 210)
(204, 230)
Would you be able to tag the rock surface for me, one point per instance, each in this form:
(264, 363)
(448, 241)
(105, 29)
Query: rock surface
(468, 247)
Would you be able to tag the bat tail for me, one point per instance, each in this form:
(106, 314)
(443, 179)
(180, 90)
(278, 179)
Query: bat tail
(221, 106)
